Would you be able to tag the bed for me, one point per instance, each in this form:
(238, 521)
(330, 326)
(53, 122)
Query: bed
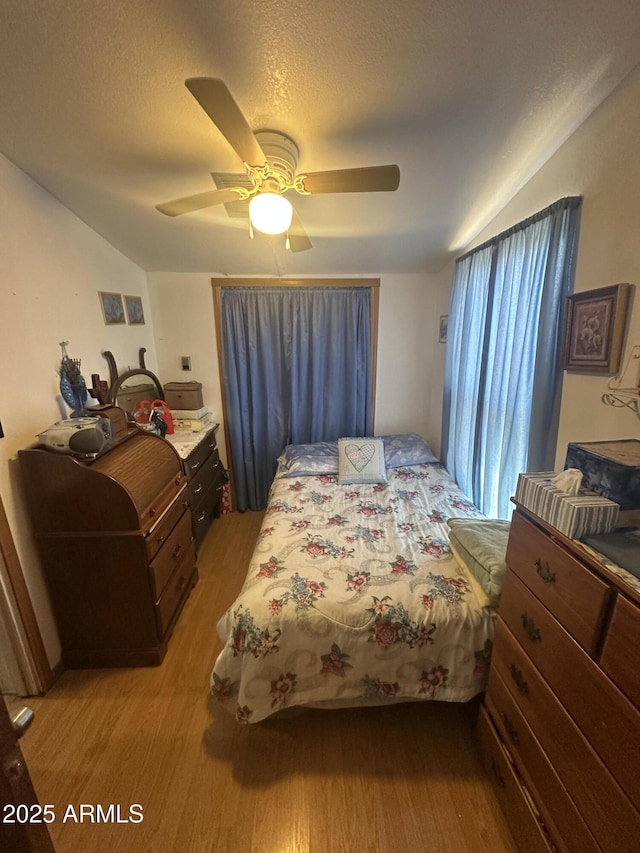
(352, 596)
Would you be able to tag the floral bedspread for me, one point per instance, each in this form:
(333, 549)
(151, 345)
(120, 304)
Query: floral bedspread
(352, 598)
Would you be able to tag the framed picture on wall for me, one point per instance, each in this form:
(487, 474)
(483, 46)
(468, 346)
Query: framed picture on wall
(112, 308)
(135, 314)
(444, 325)
(594, 328)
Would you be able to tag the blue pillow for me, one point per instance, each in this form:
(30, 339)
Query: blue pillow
(361, 460)
(407, 449)
(301, 460)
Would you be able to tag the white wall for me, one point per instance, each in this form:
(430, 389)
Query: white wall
(600, 162)
(410, 359)
(51, 268)
(182, 306)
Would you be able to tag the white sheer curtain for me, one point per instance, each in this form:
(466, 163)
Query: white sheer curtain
(503, 374)
(465, 337)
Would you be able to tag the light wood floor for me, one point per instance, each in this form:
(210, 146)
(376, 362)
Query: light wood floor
(379, 780)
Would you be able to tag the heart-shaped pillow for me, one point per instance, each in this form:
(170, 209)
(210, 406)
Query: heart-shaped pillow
(361, 460)
(359, 454)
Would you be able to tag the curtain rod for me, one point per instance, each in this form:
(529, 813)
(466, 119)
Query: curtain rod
(562, 204)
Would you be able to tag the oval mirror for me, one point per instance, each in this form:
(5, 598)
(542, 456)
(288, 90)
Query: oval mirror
(133, 387)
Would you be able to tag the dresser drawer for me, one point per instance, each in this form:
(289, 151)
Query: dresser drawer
(606, 811)
(560, 814)
(575, 596)
(176, 546)
(194, 462)
(209, 471)
(524, 824)
(609, 721)
(159, 532)
(162, 502)
(620, 653)
(176, 591)
(206, 510)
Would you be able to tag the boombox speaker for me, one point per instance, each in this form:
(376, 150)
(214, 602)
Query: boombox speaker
(85, 438)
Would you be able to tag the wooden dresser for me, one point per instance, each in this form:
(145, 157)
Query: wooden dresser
(205, 474)
(560, 726)
(116, 544)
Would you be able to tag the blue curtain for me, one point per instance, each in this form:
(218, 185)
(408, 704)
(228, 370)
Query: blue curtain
(297, 369)
(465, 334)
(503, 374)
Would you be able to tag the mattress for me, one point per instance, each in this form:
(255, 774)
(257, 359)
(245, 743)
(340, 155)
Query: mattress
(352, 597)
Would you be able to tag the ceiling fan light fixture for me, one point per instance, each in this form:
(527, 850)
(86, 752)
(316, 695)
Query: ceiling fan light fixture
(270, 213)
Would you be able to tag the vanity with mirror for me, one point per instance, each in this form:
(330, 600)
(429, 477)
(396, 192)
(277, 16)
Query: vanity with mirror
(198, 451)
(133, 386)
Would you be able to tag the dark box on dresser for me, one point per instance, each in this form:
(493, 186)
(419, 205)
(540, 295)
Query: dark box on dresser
(116, 415)
(611, 468)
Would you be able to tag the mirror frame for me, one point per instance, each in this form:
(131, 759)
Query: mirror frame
(117, 381)
(128, 374)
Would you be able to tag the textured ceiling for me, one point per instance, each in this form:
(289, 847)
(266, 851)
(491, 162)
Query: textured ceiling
(469, 98)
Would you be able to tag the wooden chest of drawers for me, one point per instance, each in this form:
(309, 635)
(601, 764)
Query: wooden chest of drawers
(206, 478)
(561, 711)
(116, 544)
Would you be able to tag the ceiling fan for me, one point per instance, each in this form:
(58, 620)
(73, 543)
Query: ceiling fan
(270, 159)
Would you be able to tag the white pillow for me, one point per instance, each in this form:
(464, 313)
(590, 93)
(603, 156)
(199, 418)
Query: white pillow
(361, 460)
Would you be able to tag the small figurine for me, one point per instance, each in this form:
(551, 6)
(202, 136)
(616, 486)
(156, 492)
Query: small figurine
(72, 385)
(158, 421)
(99, 389)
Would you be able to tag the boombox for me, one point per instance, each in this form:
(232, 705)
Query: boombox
(85, 438)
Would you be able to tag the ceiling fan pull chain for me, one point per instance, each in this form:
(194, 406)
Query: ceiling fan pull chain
(250, 230)
(287, 244)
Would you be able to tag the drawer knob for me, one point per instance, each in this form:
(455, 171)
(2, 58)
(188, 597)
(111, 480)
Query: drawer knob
(530, 627)
(176, 550)
(510, 727)
(13, 767)
(517, 676)
(197, 489)
(542, 568)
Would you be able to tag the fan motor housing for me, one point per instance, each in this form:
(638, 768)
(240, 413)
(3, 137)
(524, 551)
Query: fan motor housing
(281, 152)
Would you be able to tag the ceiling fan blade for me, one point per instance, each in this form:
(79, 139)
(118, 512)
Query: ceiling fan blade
(369, 179)
(218, 103)
(298, 240)
(197, 202)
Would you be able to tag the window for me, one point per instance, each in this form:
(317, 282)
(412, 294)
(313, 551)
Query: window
(503, 374)
(298, 366)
